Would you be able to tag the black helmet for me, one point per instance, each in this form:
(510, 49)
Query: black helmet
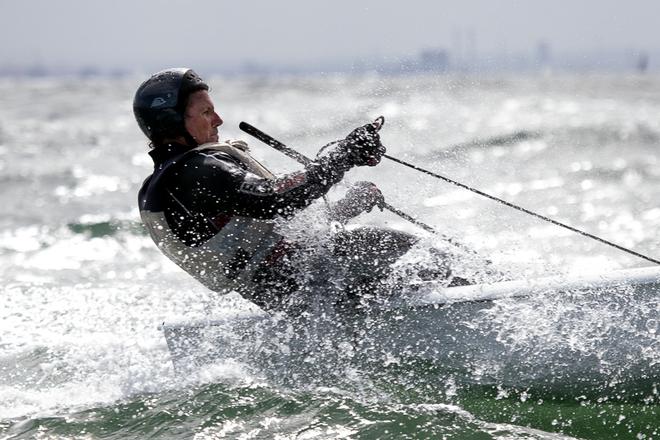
(160, 102)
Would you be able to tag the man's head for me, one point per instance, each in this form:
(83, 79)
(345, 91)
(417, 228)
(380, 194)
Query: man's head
(174, 106)
(200, 119)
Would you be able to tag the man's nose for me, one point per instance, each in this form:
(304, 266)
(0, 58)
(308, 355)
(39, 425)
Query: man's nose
(218, 120)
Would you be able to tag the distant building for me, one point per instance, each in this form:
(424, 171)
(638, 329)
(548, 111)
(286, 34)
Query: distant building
(642, 62)
(434, 60)
(543, 54)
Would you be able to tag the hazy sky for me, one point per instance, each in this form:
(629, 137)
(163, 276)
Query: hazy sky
(147, 34)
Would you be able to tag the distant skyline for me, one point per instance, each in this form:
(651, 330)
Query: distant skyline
(220, 35)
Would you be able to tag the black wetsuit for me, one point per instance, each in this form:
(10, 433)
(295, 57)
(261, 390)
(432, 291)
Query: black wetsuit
(200, 191)
(214, 186)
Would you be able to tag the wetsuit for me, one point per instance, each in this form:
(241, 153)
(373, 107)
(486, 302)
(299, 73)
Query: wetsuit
(210, 209)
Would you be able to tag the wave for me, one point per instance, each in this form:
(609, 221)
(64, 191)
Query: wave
(108, 228)
(497, 140)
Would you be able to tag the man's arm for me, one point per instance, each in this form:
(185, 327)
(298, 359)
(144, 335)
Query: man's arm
(215, 183)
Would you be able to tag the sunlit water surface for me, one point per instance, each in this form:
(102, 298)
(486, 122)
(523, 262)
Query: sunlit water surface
(84, 289)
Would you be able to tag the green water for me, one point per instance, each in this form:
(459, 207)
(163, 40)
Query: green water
(404, 402)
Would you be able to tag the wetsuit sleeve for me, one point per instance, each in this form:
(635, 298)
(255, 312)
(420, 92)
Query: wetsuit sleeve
(215, 183)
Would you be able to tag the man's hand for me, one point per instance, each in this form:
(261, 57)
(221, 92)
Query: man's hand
(361, 197)
(363, 146)
(364, 196)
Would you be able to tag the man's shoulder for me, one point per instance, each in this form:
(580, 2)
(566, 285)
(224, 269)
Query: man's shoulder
(210, 159)
(232, 151)
(219, 150)
(228, 145)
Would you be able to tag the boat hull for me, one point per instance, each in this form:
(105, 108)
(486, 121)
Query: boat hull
(549, 331)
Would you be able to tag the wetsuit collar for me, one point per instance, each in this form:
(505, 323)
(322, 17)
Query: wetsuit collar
(162, 153)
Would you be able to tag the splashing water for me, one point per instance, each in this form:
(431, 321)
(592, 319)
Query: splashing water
(84, 289)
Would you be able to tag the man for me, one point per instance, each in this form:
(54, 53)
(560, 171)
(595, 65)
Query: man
(212, 208)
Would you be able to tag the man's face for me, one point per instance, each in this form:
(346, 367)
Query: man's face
(201, 120)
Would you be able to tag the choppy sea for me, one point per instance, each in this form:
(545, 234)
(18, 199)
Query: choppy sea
(83, 288)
